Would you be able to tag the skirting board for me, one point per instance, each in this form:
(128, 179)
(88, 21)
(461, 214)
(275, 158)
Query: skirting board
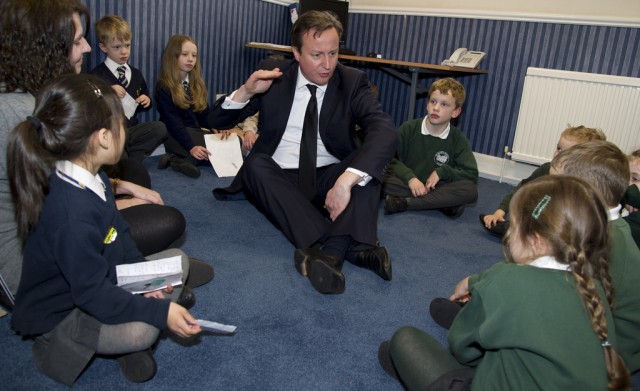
(503, 170)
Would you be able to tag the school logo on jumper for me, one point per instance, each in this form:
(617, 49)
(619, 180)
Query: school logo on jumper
(111, 236)
(440, 158)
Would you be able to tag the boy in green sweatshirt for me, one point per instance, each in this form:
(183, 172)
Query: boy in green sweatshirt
(434, 167)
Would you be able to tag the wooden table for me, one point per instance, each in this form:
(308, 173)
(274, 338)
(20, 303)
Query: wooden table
(406, 71)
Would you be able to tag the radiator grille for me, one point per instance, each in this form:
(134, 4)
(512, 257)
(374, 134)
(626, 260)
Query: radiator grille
(553, 100)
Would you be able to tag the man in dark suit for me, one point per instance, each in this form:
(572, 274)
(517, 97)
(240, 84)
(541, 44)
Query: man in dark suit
(329, 213)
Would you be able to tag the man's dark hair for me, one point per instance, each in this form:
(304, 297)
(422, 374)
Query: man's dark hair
(313, 20)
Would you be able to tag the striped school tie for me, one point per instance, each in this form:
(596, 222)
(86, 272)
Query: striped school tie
(121, 76)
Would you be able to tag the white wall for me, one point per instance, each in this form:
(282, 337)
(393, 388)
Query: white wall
(613, 8)
(624, 13)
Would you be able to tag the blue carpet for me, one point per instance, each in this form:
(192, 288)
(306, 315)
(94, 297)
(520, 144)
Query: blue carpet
(289, 337)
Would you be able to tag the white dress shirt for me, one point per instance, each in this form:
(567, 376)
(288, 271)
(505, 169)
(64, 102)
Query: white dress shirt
(287, 154)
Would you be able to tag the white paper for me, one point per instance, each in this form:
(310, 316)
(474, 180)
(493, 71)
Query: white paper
(130, 105)
(150, 276)
(226, 156)
(213, 326)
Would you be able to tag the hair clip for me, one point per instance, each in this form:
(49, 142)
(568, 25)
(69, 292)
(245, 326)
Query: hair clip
(35, 120)
(96, 90)
(605, 343)
(540, 207)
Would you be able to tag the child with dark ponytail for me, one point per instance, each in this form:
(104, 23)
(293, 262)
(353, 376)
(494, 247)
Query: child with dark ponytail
(68, 301)
(542, 320)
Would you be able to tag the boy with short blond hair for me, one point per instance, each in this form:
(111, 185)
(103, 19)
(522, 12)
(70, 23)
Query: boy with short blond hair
(497, 223)
(114, 37)
(434, 167)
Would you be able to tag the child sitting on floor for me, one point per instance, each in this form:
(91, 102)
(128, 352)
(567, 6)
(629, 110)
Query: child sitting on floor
(632, 196)
(182, 100)
(497, 223)
(540, 321)
(74, 238)
(605, 167)
(434, 167)
(114, 40)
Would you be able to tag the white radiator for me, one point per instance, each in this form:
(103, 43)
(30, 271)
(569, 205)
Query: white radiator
(552, 100)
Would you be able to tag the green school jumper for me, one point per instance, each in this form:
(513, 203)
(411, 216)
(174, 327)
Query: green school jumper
(526, 328)
(418, 155)
(624, 268)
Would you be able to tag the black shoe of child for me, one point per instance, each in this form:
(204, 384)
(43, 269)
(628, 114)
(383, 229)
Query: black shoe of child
(498, 230)
(393, 204)
(453, 211)
(138, 367)
(200, 273)
(187, 298)
(444, 311)
(186, 168)
(165, 161)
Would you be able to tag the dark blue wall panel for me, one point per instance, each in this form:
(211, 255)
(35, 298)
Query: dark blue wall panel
(489, 118)
(219, 27)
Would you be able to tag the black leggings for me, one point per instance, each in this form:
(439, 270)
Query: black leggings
(154, 227)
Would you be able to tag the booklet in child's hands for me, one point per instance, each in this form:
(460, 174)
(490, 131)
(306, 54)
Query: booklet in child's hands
(149, 276)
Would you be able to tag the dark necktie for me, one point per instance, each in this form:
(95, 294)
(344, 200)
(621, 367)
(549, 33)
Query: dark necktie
(185, 85)
(121, 76)
(308, 147)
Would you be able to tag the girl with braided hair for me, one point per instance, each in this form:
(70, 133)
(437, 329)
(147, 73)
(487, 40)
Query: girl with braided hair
(540, 321)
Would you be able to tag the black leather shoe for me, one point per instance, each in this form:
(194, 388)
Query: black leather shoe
(324, 276)
(376, 259)
(165, 160)
(138, 367)
(323, 270)
(187, 298)
(186, 168)
(200, 273)
(302, 256)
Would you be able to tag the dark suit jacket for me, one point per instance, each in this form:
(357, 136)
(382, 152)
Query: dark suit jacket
(137, 86)
(348, 102)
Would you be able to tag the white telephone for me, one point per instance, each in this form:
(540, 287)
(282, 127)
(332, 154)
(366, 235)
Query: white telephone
(464, 58)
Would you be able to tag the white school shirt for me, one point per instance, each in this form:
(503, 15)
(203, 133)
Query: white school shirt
(81, 178)
(113, 67)
(442, 135)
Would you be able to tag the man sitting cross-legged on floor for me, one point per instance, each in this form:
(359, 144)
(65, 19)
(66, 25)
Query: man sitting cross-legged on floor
(322, 191)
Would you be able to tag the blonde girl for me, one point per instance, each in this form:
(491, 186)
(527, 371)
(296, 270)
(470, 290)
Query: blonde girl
(182, 101)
